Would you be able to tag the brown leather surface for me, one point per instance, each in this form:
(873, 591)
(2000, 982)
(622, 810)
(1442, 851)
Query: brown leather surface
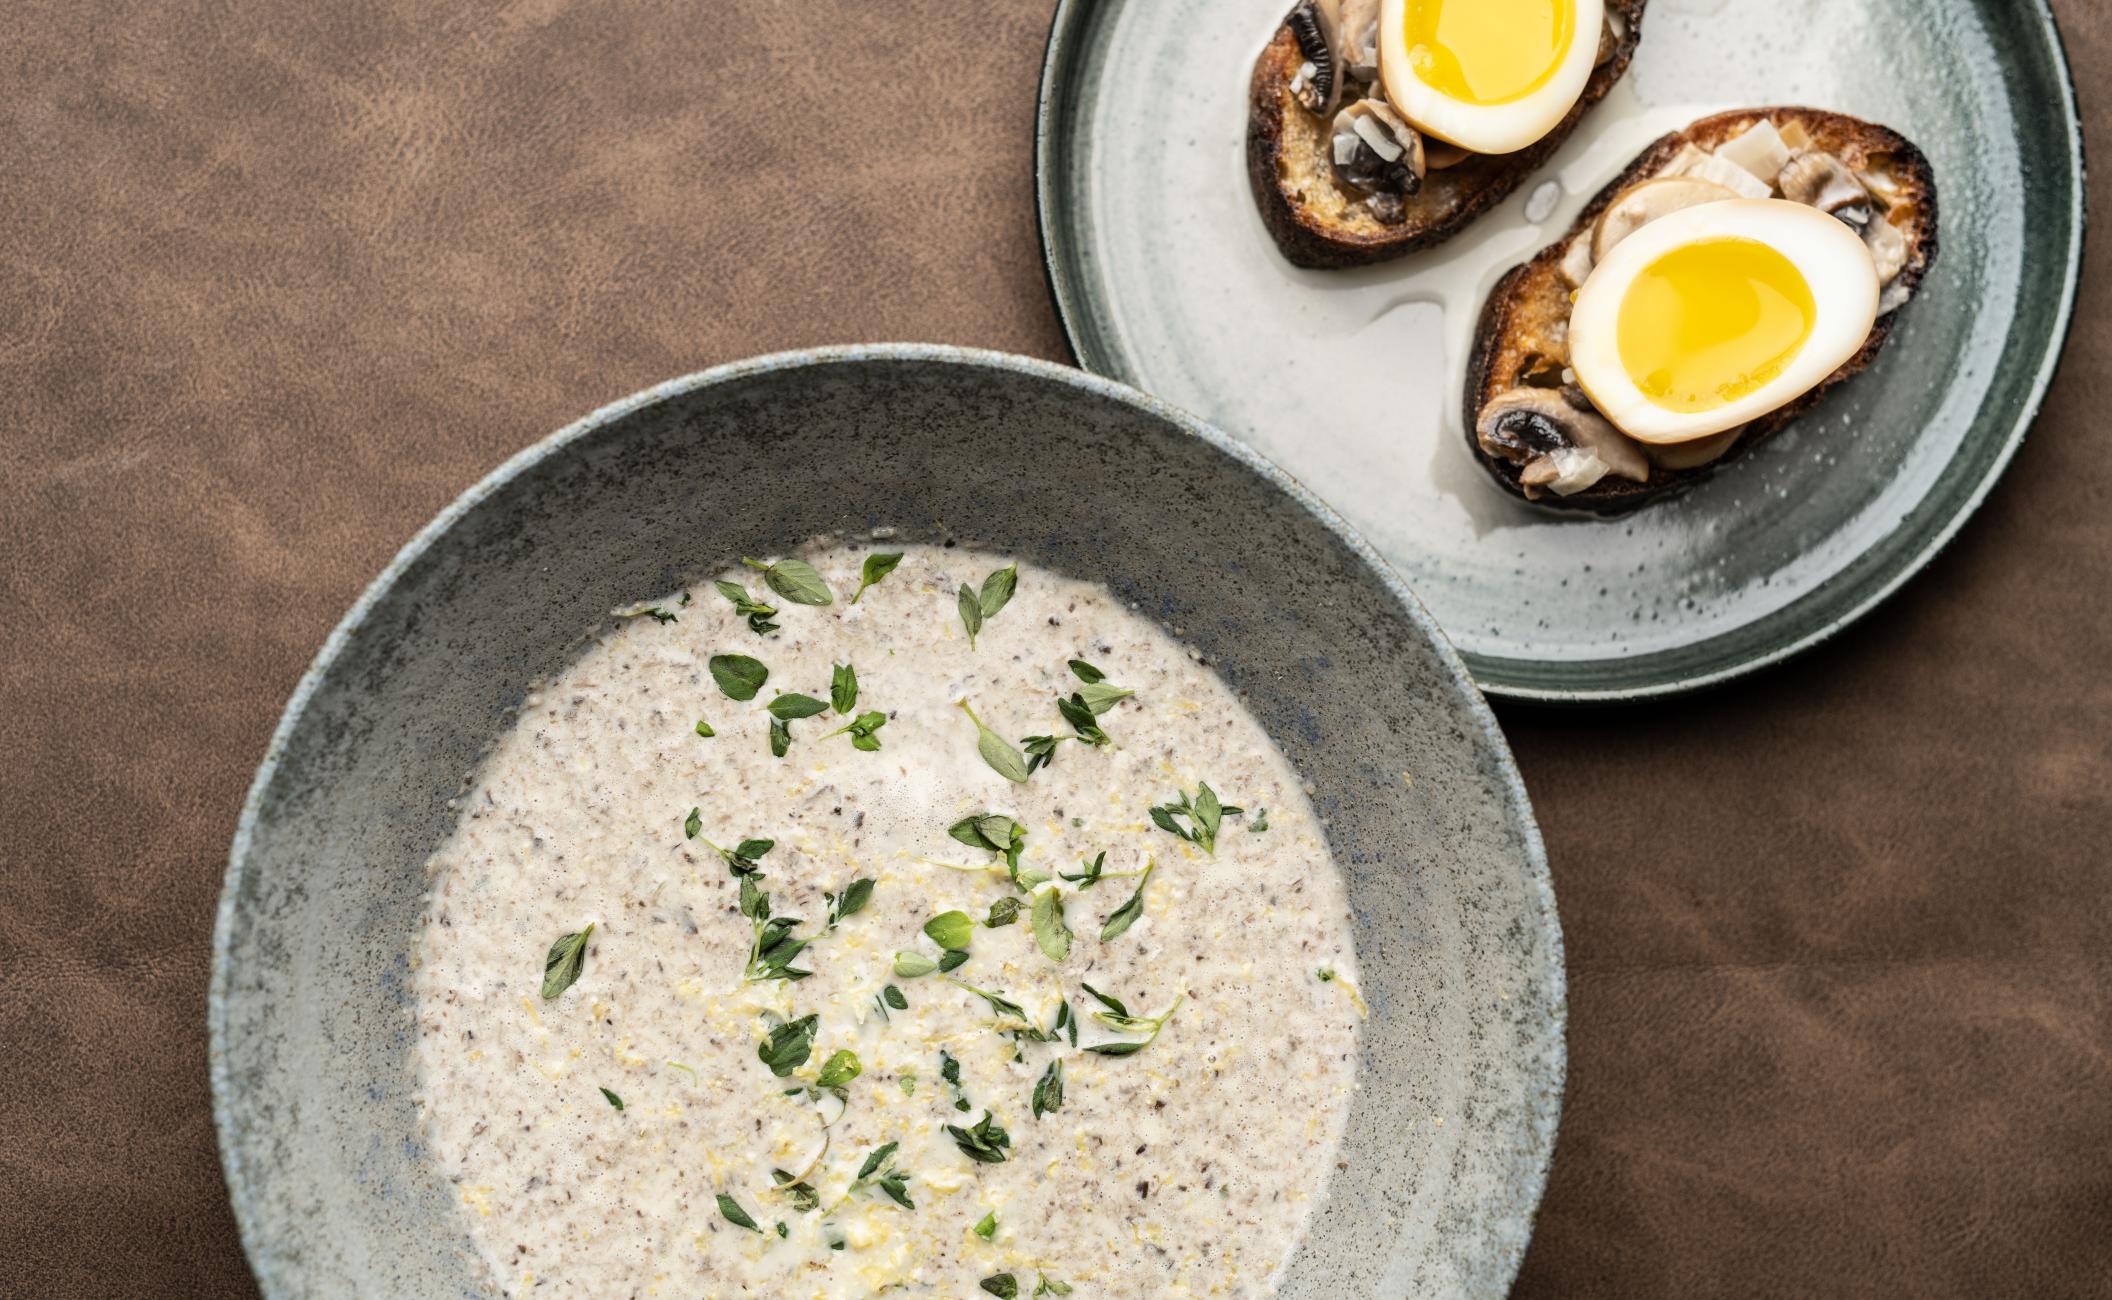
(277, 281)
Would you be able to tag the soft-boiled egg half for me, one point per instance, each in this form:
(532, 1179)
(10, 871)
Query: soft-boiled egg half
(1491, 76)
(1715, 315)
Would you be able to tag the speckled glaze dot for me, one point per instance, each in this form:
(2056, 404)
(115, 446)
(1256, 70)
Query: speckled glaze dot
(1459, 1081)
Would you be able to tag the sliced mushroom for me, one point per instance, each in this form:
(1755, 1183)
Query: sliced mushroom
(1527, 426)
(1317, 24)
(1722, 171)
(1360, 40)
(1695, 454)
(1824, 182)
(1611, 34)
(1439, 155)
(1378, 154)
(1639, 205)
(1888, 249)
(1578, 261)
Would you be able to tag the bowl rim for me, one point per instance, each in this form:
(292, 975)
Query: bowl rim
(1522, 679)
(1545, 1094)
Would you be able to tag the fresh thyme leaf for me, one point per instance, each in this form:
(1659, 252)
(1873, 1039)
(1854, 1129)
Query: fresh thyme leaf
(757, 613)
(1122, 1022)
(1089, 877)
(692, 823)
(1003, 912)
(739, 676)
(950, 929)
(1050, 1286)
(1002, 1285)
(983, 1142)
(862, 730)
(614, 1100)
(997, 591)
(1326, 974)
(950, 1071)
(1083, 721)
(840, 1069)
(793, 706)
(1048, 1094)
(704, 728)
(986, 1227)
(1040, 750)
(1260, 822)
(843, 689)
(1126, 915)
(909, 1085)
(789, 1045)
(1110, 1003)
(795, 580)
(743, 859)
(1049, 929)
(1086, 673)
(1100, 697)
(913, 965)
(804, 1198)
(775, 945)
(952, 959)
(894, 998)
(998, 752)
(1002, 1005)
(654, 612)
(855, 896)
(735, 1215)
(565, 962)
(1204, 814)
(971, 612)
(780, 737)
(876, 568)
(875, 1160)
(782, 1230)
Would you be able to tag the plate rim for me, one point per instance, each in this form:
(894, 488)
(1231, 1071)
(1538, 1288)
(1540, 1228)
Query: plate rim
(1546, 1076)
(1520, 679)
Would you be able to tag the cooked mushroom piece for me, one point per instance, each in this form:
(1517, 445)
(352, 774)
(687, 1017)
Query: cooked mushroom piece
(1611, 33)
(1823, 181)
(1317, 25)
(1888, 249)
(1641, 204)
(1378, 154)
(1360, 40)
(1562, 448)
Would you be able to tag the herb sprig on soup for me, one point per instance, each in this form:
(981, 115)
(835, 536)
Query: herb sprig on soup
(873, 920)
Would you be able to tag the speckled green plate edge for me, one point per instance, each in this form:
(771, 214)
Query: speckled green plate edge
(2055, 194)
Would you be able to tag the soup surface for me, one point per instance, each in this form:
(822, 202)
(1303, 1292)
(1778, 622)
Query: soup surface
(941, 1035)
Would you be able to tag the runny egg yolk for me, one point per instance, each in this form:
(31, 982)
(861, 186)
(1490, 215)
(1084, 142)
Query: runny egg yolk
(1710, 322)
(1489, 51)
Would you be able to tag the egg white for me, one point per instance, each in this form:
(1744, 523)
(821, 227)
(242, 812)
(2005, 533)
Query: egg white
(1830, 256)
(1487, 128)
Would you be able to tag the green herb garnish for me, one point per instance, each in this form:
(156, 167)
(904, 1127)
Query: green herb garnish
(913, 965)
(739, 676)
(1126, 915)
(978, 608)
(863, 731)
(745, 858)
(780, 737)
(983, 1142)
(1048, 1094)
(793, 706)
(693, 824)
(1003, 912)
(757, 613)
(1118, 1018)
(950, 929)
(998, 752)
(653, 612)
(879, 1171)
(876, 568)
(789, 1045)
(894, 998)
(841, 1067)
(950, 1071)
(1260, 822)
(1049, 929)
(704, 728)
(1002, 1285)
(843, 689)
(564, 964)
(614, 1100)
(795, 580)
(804, 1199)
(855, 896)
(735, 1215)
(775, 947)
(986, 1227)
(952, 959)
(1001, 835)
(1204, 814)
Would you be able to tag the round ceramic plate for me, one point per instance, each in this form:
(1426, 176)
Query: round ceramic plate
(1460, 1074)
(1351, 381)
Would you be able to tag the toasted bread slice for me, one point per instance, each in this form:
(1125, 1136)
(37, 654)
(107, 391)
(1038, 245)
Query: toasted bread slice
(1319, 224)
(1524, 326)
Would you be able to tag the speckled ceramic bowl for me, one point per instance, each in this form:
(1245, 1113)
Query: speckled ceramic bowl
(1462, 1068)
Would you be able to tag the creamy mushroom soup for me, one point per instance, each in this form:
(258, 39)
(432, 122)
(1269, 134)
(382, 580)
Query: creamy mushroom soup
(961, 936)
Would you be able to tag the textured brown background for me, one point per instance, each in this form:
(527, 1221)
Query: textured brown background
(278, 280)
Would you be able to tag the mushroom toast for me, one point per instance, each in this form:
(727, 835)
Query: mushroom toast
(1706, 298)
(1378, 127)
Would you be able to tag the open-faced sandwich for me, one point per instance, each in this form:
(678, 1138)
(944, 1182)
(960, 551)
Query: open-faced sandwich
(1706, 298)
(1378, 127)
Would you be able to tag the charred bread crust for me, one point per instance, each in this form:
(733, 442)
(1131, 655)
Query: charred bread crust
(1319, 226)
(1527, 302)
